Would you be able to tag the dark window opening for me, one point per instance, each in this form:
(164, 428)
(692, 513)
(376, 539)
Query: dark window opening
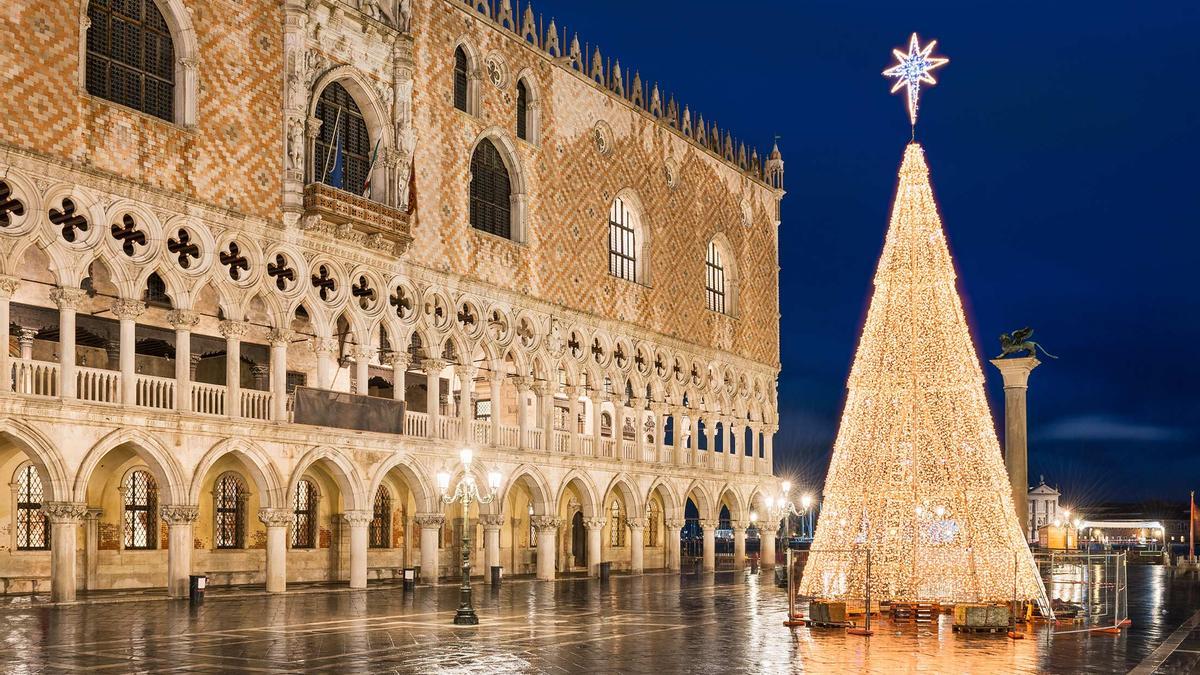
(342, 151)
(460, 79)
(491, 191)
(130, 57)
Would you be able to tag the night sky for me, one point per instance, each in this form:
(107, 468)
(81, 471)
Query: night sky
(1063, 142)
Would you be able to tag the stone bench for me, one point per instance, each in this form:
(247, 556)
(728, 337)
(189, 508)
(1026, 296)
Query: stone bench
(227, 577)
(22, 585)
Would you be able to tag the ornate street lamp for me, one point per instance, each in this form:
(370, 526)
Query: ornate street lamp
(464, 493)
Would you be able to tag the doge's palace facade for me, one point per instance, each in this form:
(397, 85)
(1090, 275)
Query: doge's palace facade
(210, 209)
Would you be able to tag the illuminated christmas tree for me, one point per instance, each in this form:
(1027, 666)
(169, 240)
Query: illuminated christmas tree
(917, 477)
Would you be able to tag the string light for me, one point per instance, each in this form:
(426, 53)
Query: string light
(917, 477)
(913, 69)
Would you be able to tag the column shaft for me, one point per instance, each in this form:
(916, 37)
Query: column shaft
(739, 547)
(358, 521)
(637, 549)
(710, 546)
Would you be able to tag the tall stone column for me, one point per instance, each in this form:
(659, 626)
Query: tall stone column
(399, 362)
(618, 428)
(277, 522)
(91, 548)
(180, 520)
(766, 538)
(495, 384)
(127, 311)
(637, 545)
(639, 422)
(431, 525)
(710, 437)
(738, 432)
(573, 411)
(598, 399)
(183, 321)
(466, 412)
(233, 331)
(769, 432)
(660, 429)
(8, 286)
(595, 527)
(678, 440)
(671, 537)
(710, 545)
(68, 301)
(547, 532)
(358, 522)
(492, 522)
(279, 339)
(524, 386)
(433, 402)
(545, 394)
(1016, 445)
(324, 349)
(739, 546)
(362, 370)
(64, 524)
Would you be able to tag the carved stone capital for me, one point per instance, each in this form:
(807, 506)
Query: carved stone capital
(128, 309)
(675, 525)
(543, 523)
(363, 353)
(523, 384)
(234, 329)
(433, 366)
(429, 520)
(491, 521)
(8, 286)
(635, 523)
(26, 335)
(182, 319)
(594, 523)
(543, 388)
(180, 514)
(323, 345)
(276, 517)
(398, 360)
(358, 518)
(66, 297)
(280, 336)
(65, 513)
(466, 372)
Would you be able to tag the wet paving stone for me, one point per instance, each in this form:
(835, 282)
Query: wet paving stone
(723, 623)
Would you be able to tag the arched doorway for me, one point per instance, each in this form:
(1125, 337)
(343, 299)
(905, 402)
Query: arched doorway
(578, 541)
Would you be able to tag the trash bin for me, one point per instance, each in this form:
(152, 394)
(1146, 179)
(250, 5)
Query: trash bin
(496, 575)
(196, 584)
(605, 570)
(410, 578)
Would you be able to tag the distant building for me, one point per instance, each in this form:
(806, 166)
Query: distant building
(1043, 507)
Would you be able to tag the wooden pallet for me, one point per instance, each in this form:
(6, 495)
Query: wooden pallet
(981, 629)
(829, 624)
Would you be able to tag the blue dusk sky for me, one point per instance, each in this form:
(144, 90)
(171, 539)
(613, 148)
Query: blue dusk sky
(1063, 141)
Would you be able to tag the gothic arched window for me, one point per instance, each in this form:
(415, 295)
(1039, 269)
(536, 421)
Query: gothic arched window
(141, 501)
(460, 79)
(522, 110)
(491, 191)
(606, 426)
(714, 282)
(33, 527)
(623, 241)
(616, 531)
(304, 511)
(381, 522)
(653, 517)
(230, 500)
(342, 152)
(130, 56)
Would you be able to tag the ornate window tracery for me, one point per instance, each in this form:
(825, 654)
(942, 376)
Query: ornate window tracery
(33, 527)
(491, 191)
(130, 56)
(141, 501)
(381, 522)
(616, 536)
(304, 509)
(229, 531)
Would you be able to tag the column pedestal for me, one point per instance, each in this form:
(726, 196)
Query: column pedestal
(1016, 447)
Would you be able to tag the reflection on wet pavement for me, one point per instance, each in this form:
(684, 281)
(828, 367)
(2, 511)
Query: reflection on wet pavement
(657, 623)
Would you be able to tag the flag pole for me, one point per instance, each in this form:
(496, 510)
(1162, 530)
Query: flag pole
(1192, 527)
(332, 143)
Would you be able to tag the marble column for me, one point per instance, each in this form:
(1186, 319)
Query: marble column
(362, 370)
(766, 537)
(595, 527)
(183, 321)
(671, 540)
(433, 402)
(618, 430)
(180, 520)
(25, 338)
(738, 431)
(91, 548)
(324, 349)
(639, 422)
(739, 546)
(574, 408)
(637, 545)
(233, 331)
(710, 437)
(64, 526)
(660, 429)
(598, 400)
(68, 301)
(496, 383)
(524, 386)
(431, 526)
(358, 521)
(1016, 446)
(399, 362)
(678, 442)
(279, 339)
(545, 394)
(8, 286)
(466, 410)
(547, 532)
(768, 466)
(492, 522)
(277, 522)
(710, 544)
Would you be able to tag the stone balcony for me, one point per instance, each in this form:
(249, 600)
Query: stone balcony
(351, 217)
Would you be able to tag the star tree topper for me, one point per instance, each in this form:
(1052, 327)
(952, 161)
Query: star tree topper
(913, 69)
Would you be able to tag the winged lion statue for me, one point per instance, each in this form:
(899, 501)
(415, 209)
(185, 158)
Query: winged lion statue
(1018, 341)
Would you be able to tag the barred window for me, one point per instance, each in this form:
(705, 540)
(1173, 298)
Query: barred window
(230, 527)
(714, 285)
(33, 526)
(130, 57)
(622, 242)
(342, 151)
(522, 110)
(381, 522)
(653, 516)
(483, 409)
(491, 191)
(616, 536)
(305, 515)
(156, 291)
(141, 498)
(460, 79)
(295, 378)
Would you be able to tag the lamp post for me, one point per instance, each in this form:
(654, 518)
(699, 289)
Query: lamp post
(778, 508)
(464, 493)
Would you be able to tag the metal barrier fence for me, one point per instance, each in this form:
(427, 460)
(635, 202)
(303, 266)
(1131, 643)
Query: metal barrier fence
(1087, 591)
